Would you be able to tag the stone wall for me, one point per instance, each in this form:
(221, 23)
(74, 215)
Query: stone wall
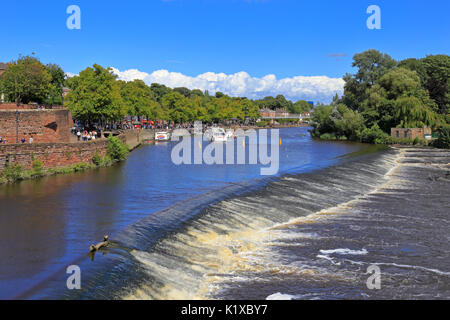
(44, 125)
(52, 155)
(410, 133)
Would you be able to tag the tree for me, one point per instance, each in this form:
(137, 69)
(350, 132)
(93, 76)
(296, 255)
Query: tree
(179, 108)
(410, 112)
(56, 84)
(434, 73)
(371, 65)
(95, 95)
(184, 91)
(26, 80)
(219, 94)
(249, 108)
(159, 90)
(300, 107)
(347, 122)
(322, 121)
(398, 99)
(139, 101)
(438, 81)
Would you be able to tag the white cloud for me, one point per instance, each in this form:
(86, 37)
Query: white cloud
(70, 74)
(241, 84)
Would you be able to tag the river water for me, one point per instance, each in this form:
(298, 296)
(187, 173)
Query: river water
(225, 232)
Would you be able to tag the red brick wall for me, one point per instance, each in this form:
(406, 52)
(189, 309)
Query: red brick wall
(48, 125)
(52, 155)
(411, 133)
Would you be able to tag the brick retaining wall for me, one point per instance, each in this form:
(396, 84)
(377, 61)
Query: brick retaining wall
(45, 125)
(52, 155)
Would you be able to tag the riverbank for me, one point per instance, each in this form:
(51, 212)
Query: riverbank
(33, 161)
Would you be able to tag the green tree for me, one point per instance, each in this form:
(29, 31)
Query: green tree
(179, 108)
(347, 123)
(139, 101)
(322, 121)
(371, 65)
(398, 99)
(56, 84)
(184, 91)
(26, 80)
(159, 90)
(300, 107)
(95, 95)
(438, 81)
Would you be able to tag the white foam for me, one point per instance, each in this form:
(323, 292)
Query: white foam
(345, 252)
(320, 256)
(280, 296)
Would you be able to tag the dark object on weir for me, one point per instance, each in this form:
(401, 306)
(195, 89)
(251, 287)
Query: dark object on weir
(97, 247)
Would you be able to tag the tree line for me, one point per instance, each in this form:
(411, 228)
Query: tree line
(98, 95)
(384, 94)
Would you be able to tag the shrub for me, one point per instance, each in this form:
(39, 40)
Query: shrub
(37, 167)
(13, 173)
(116, 150)
(262, 123)
(97, 159)
(375, 135)
(443, 140)
(328, 136)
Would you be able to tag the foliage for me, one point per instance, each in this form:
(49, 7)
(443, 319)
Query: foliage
(346, 122)
(262, 123)
(375, 135)
(37, 167)
(56, 84)
(26, 80)
(13, 172)
(95, 95)
(322, 121)
(443, 140)
(371, 65)
(300, 107)
(116, 149)
(383, 94)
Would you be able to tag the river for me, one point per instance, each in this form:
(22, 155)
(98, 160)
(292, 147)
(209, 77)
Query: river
(224, 231)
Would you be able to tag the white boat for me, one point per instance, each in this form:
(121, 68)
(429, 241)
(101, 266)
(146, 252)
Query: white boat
(162, 136)
(218, 135)
(229, 134)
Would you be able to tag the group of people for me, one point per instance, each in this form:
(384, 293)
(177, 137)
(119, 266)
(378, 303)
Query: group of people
(23, 140)
(84, 135)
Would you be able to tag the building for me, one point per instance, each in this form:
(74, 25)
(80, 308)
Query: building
(282, 113)
(25, 121)
(3, 67)
(306, 115)
(411, 133)
(66, 91)
(277, 114)
(267, 113)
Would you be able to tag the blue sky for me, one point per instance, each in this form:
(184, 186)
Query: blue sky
(191, 37)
